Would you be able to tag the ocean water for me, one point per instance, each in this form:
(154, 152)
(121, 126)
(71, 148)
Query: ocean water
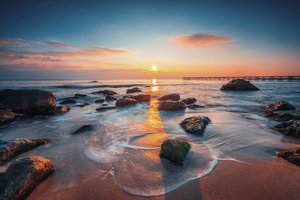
(126, 141)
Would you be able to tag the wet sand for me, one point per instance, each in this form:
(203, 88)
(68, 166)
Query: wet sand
(275, 179)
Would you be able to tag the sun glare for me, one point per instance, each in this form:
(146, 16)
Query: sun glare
(154, 68)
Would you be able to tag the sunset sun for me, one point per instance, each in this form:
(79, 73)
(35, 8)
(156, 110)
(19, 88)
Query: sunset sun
(154, 68)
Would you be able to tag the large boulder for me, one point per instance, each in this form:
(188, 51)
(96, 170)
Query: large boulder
(125, 102)
(7, 116)
(23, 176)
(174, 150)
(189, 100)
(133, 90)
(292, 155)
(84, 128)
(172, 97)
(290, 128)
(30, 102)
(105, 92)
(11, 148)
(171, 105)
(239, 85)
(195, 125)
(140, 97)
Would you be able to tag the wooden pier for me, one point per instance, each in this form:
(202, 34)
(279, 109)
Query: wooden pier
(256, 78)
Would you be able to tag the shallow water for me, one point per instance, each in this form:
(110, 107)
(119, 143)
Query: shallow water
(125, 143)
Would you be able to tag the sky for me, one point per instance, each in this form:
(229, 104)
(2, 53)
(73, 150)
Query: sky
(124, 39)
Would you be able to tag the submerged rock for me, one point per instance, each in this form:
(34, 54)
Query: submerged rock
(125, 102)
(189, 100)
(11, 148)
(103, 108)
(292, 155)
(80, 95)
(23, 176)
(105, 92)
(61, 110)
(194, 106)
(195, 125)
(84, 128)
(100, 101)
(82, 104)
(29, 102)
(173, 97)
(68, 101)
(110, 98)
(174, 150)
(290, 128)
(171, 105)
(239, 85)
(7, 116)
(133, 90)
(278, 106)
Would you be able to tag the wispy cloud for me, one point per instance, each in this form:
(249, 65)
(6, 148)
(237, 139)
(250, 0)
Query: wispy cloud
(15, 42)
(60, 44)
(200, 40)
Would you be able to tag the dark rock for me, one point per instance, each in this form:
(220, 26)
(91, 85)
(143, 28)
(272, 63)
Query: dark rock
(100, 101)
(278, 106)
(173, 97)
(141, 97)
(174, 150)
(133, 90)
(105, 92)
(29, 102)
(79, 95)
(68, 101)
(290, 128)
(239, 85)
(61, 109)
(195, 125)
(110, 98)
(84, 128)
(171, 105)
(194, 106)
(286, 115)
(7, 116)
(103, 108)
(189, 100)
(11, 148)
(125, 102)
(82, 104)
(94, 82)
(23, 176)
(292, 155)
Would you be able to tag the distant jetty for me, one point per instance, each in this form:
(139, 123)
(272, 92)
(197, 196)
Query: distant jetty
(258, 78)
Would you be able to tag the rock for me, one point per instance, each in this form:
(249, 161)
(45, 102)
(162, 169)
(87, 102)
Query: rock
(29, 102)
(61, 109)
(68, 101)
(292, 155)
(133, 90)
(195, 125)
(174, 150)
(173, 97)
(79, 95)
(171, 105)
(93, 81)
(82, 104)
(7, 116)
(278, 106)
(103, 108)
(23, 176)
(11, 148)
(84, 128)
(110, 98)
(100, 101)
(239, 85)
(189, 100)
(105, 92)
(286, 115)
(194, 106)
(141, 97)
(290, 128)
(125, 102)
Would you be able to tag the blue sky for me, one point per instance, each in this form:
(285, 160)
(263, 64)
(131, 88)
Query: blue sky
(264, 38)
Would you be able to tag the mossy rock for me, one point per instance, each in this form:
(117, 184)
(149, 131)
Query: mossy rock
(175, 150)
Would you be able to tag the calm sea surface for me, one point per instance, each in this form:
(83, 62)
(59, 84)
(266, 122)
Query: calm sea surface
(126, 141)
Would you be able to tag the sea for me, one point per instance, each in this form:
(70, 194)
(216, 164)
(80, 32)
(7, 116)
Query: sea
(125, 142)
